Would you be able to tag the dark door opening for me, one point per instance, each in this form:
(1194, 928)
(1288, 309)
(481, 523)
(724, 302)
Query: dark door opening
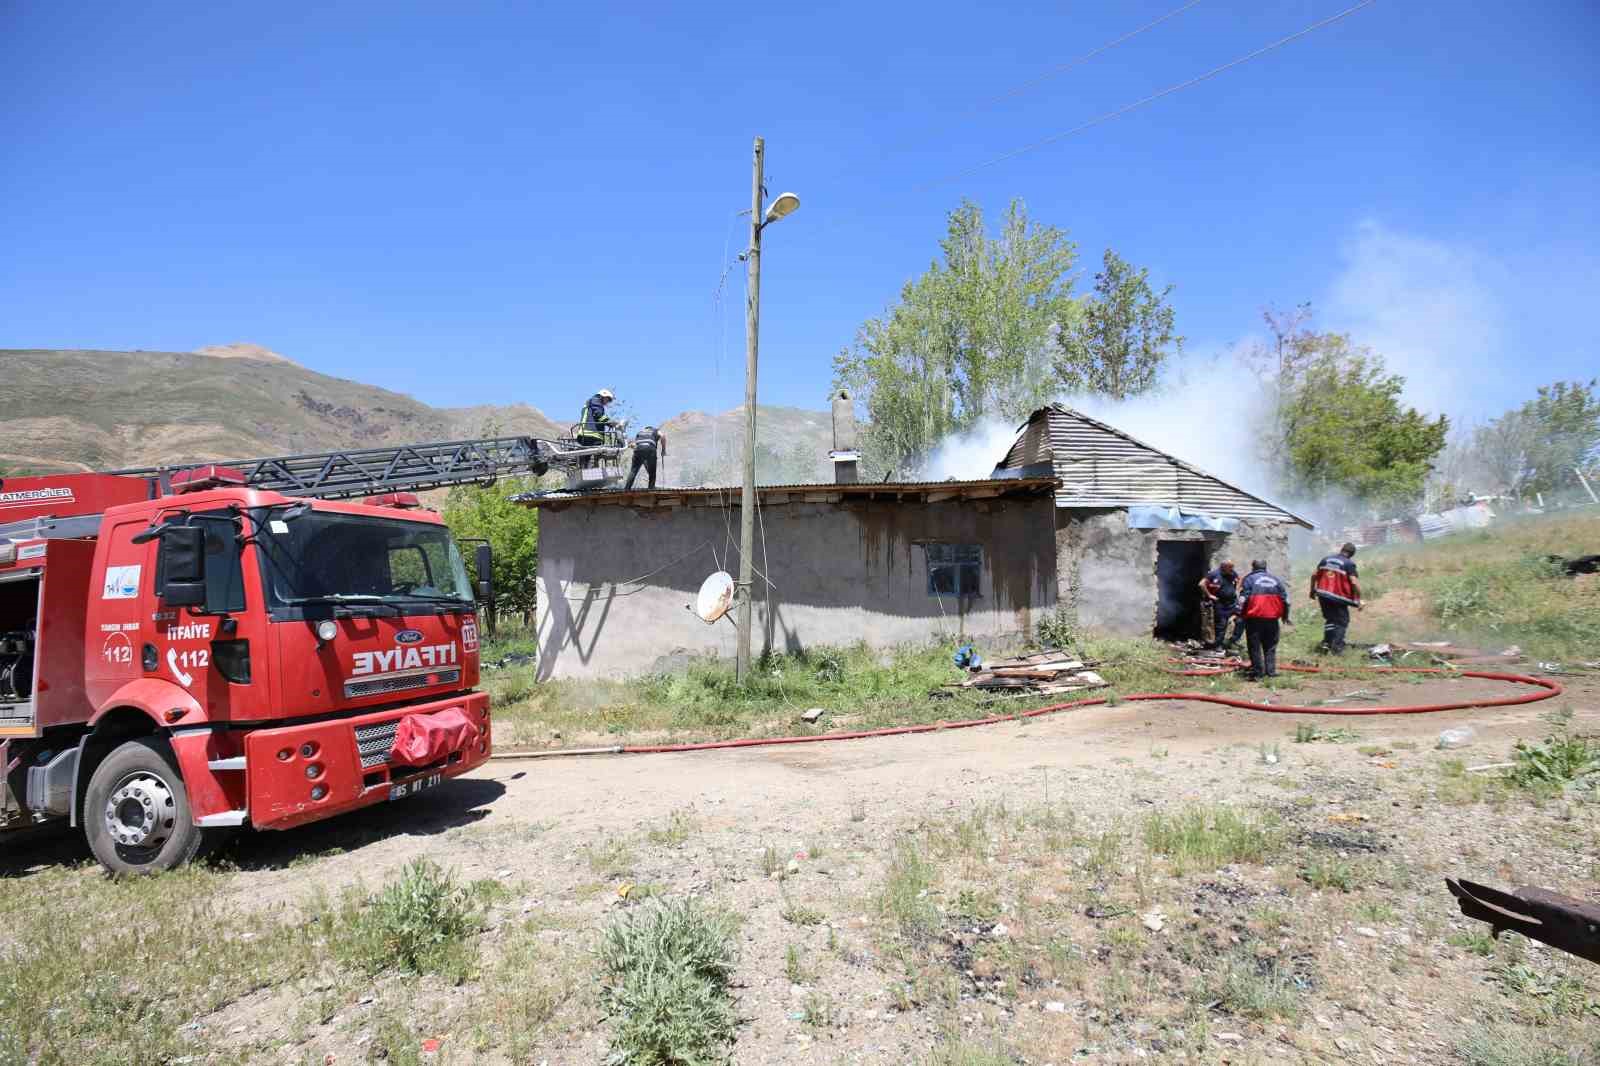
(1180, 566)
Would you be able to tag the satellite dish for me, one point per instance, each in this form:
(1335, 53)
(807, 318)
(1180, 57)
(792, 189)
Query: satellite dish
(716, 597)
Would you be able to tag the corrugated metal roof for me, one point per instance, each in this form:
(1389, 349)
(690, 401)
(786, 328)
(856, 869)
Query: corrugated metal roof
(728, 495)
(1100, 466)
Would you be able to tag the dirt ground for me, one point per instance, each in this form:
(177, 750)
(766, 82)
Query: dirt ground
(569, 835)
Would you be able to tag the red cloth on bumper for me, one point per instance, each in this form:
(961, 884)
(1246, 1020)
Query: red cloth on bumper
(423, 739)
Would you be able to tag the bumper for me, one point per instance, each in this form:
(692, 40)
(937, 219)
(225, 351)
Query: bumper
(347, 766)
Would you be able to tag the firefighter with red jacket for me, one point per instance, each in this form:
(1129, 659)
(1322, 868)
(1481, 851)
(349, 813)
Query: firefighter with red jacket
(1335, 586)
(1263, 603)
(1221, 591)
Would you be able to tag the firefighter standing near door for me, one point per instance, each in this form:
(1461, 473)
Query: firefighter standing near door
(648, 444)
(1221, 590)
(593, 422)
(1337, 590)
(1263, 603)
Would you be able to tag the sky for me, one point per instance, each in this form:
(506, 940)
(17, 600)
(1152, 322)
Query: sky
(497, 202)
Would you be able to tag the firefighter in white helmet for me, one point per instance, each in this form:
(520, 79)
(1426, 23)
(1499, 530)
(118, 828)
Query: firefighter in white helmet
(593, 421)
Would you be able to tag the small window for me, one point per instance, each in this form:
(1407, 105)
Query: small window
(224, 570)
(953, 569)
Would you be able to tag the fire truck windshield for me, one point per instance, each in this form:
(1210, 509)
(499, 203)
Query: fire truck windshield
(334, 559)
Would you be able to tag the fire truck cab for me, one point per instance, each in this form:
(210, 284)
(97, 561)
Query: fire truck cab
(180, 660)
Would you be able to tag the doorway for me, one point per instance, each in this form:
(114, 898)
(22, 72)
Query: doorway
(1180, 566)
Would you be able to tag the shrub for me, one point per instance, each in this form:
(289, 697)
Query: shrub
(1056, 629)
(417, 924)
(667, 968)
(1561, 758)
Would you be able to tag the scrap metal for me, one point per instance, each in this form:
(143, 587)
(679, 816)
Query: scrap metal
(1563, 922)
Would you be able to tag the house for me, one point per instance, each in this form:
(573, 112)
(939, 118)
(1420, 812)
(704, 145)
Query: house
(835, 564)
(1135, 528)
(1077, 515)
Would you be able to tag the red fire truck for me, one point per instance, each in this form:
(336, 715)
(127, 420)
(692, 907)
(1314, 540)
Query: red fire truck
(183, 652)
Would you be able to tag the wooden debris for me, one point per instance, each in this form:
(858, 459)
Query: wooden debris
(1042, 674)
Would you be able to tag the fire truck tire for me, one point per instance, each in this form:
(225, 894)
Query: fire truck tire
(136, 811)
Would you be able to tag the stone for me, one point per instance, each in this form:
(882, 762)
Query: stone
(1366, 931)
(1229, 1038)
(1055, 1006)
(813, 714)
(1154, 921)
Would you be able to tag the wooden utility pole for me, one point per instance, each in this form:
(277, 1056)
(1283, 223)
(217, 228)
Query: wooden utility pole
(747, 504)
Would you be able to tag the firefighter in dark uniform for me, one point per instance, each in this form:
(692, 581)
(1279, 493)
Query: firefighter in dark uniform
(1221, 590)
(1337, 590)
(593, 421)
(1263, 603)
(648, 444)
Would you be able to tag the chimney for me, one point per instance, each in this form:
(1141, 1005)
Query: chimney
(845, 453)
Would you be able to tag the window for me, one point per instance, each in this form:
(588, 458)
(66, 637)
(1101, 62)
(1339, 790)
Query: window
(224, 570)
(953, 569)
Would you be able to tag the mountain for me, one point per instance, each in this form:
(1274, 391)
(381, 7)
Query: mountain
(71, 410)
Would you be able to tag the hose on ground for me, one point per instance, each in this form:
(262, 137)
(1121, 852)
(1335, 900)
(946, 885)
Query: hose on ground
(1545, 689)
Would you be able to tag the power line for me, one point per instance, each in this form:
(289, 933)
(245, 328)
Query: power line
(1168, 91)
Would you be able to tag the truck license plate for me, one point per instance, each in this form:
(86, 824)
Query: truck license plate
(411, 788)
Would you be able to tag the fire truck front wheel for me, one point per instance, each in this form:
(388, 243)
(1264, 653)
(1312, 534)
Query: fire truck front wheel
(136, 810)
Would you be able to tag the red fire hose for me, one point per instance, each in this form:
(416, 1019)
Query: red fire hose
(1545, 690)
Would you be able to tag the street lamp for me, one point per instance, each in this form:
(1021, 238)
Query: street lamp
(784, 205)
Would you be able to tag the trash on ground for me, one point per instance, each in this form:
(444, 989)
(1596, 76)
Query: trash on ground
(1459, 737)
(812, 715)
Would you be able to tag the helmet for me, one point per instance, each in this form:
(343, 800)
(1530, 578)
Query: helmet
(607, 395)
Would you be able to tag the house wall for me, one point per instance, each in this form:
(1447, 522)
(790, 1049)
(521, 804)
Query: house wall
(1106, 572)
(839, 573)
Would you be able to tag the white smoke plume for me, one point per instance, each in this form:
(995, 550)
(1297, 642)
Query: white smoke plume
(972, 454)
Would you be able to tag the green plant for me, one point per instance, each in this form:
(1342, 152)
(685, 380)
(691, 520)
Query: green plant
(1254, 988)
(798, 913)
(794, 964)
(818, 1010)
(610, 858)
(1341, 874)
(1306, 734)
(418, 923)
(1058, 629)
(771, 861)
(1474, 940)
(666, 969)
(1562, 757)
(1210, 835)
(1504, 1045)
(680, 825)
(828, 666)
(903, 899)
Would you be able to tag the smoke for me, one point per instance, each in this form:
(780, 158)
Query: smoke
(972, 454)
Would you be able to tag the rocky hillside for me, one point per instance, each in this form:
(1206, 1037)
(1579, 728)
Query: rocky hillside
(101, 410)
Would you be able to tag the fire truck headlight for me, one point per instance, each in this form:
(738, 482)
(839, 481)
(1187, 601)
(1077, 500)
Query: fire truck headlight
(327, 630)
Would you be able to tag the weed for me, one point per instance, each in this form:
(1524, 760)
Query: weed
(771, 861)
(1306, 733)
(1268, 754)
(978, 904)
(903, 900)
(1376, 911)
(1514, 1046)
(1342, 874)
(418, 923)
(680, 826)
(799, 914)
(610, 859)
(1254, 988)
(666, 971)
(1562, 757)
(794, 965)
(1210, 836)
(1058, 629)
(818, 1010)
(1473, 940)
(955, 1051)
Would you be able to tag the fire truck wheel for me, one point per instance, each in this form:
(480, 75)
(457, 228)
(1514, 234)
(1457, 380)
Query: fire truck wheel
(136, 811)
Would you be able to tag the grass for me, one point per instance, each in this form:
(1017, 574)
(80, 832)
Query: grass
(419, 923)
(1502, 1045)
(1308, 734)
(799, 914)
(667, 968)
(1210, 836)
(1253, 988)
(1323, 873)
(903, 900)
(679, 827)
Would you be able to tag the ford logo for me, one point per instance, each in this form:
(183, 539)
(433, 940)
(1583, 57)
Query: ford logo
(408, 636)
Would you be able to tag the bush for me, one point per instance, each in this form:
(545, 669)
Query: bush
(667, 969)
(1561, 758)
(1056, 629)
(419, 923)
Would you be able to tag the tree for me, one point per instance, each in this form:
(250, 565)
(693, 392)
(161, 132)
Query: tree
(485, 512)
(1345, 430)
(1117, 345)
(972, 337)
(1536, 447)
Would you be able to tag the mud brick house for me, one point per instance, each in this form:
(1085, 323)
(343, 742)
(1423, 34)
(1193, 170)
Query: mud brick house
(1135, 529)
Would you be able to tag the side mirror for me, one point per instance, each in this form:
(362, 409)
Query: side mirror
(483, 562)
(183, 566)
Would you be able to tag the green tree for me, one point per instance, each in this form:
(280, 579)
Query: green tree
(485, 512)
(1345, 430)
(973, 336)
(1536, 447)
(1118, 344)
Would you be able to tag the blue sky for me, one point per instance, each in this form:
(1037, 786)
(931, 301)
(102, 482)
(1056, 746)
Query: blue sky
(493, 202)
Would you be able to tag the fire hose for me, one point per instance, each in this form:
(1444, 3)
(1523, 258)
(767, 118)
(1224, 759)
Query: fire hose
(1544, 689)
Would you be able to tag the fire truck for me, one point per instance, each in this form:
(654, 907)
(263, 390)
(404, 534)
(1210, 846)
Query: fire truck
(265, 642)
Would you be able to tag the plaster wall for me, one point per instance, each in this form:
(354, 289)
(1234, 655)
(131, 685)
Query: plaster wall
(1106, 572)
(615, 582)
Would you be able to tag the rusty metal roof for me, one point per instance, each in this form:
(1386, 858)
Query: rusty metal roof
(926, 491)
(1100, 466)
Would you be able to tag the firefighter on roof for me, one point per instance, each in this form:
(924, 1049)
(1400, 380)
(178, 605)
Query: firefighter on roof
(1264, 602)
(1337, 590)
(1221, 590)
(647, 444)
(593, 421)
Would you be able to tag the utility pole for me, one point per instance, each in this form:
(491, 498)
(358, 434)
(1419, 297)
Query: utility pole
(747, 504)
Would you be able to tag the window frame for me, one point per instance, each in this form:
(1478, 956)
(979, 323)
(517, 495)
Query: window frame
(963, 562)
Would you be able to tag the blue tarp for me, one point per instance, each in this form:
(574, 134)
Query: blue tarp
(1149, 516)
